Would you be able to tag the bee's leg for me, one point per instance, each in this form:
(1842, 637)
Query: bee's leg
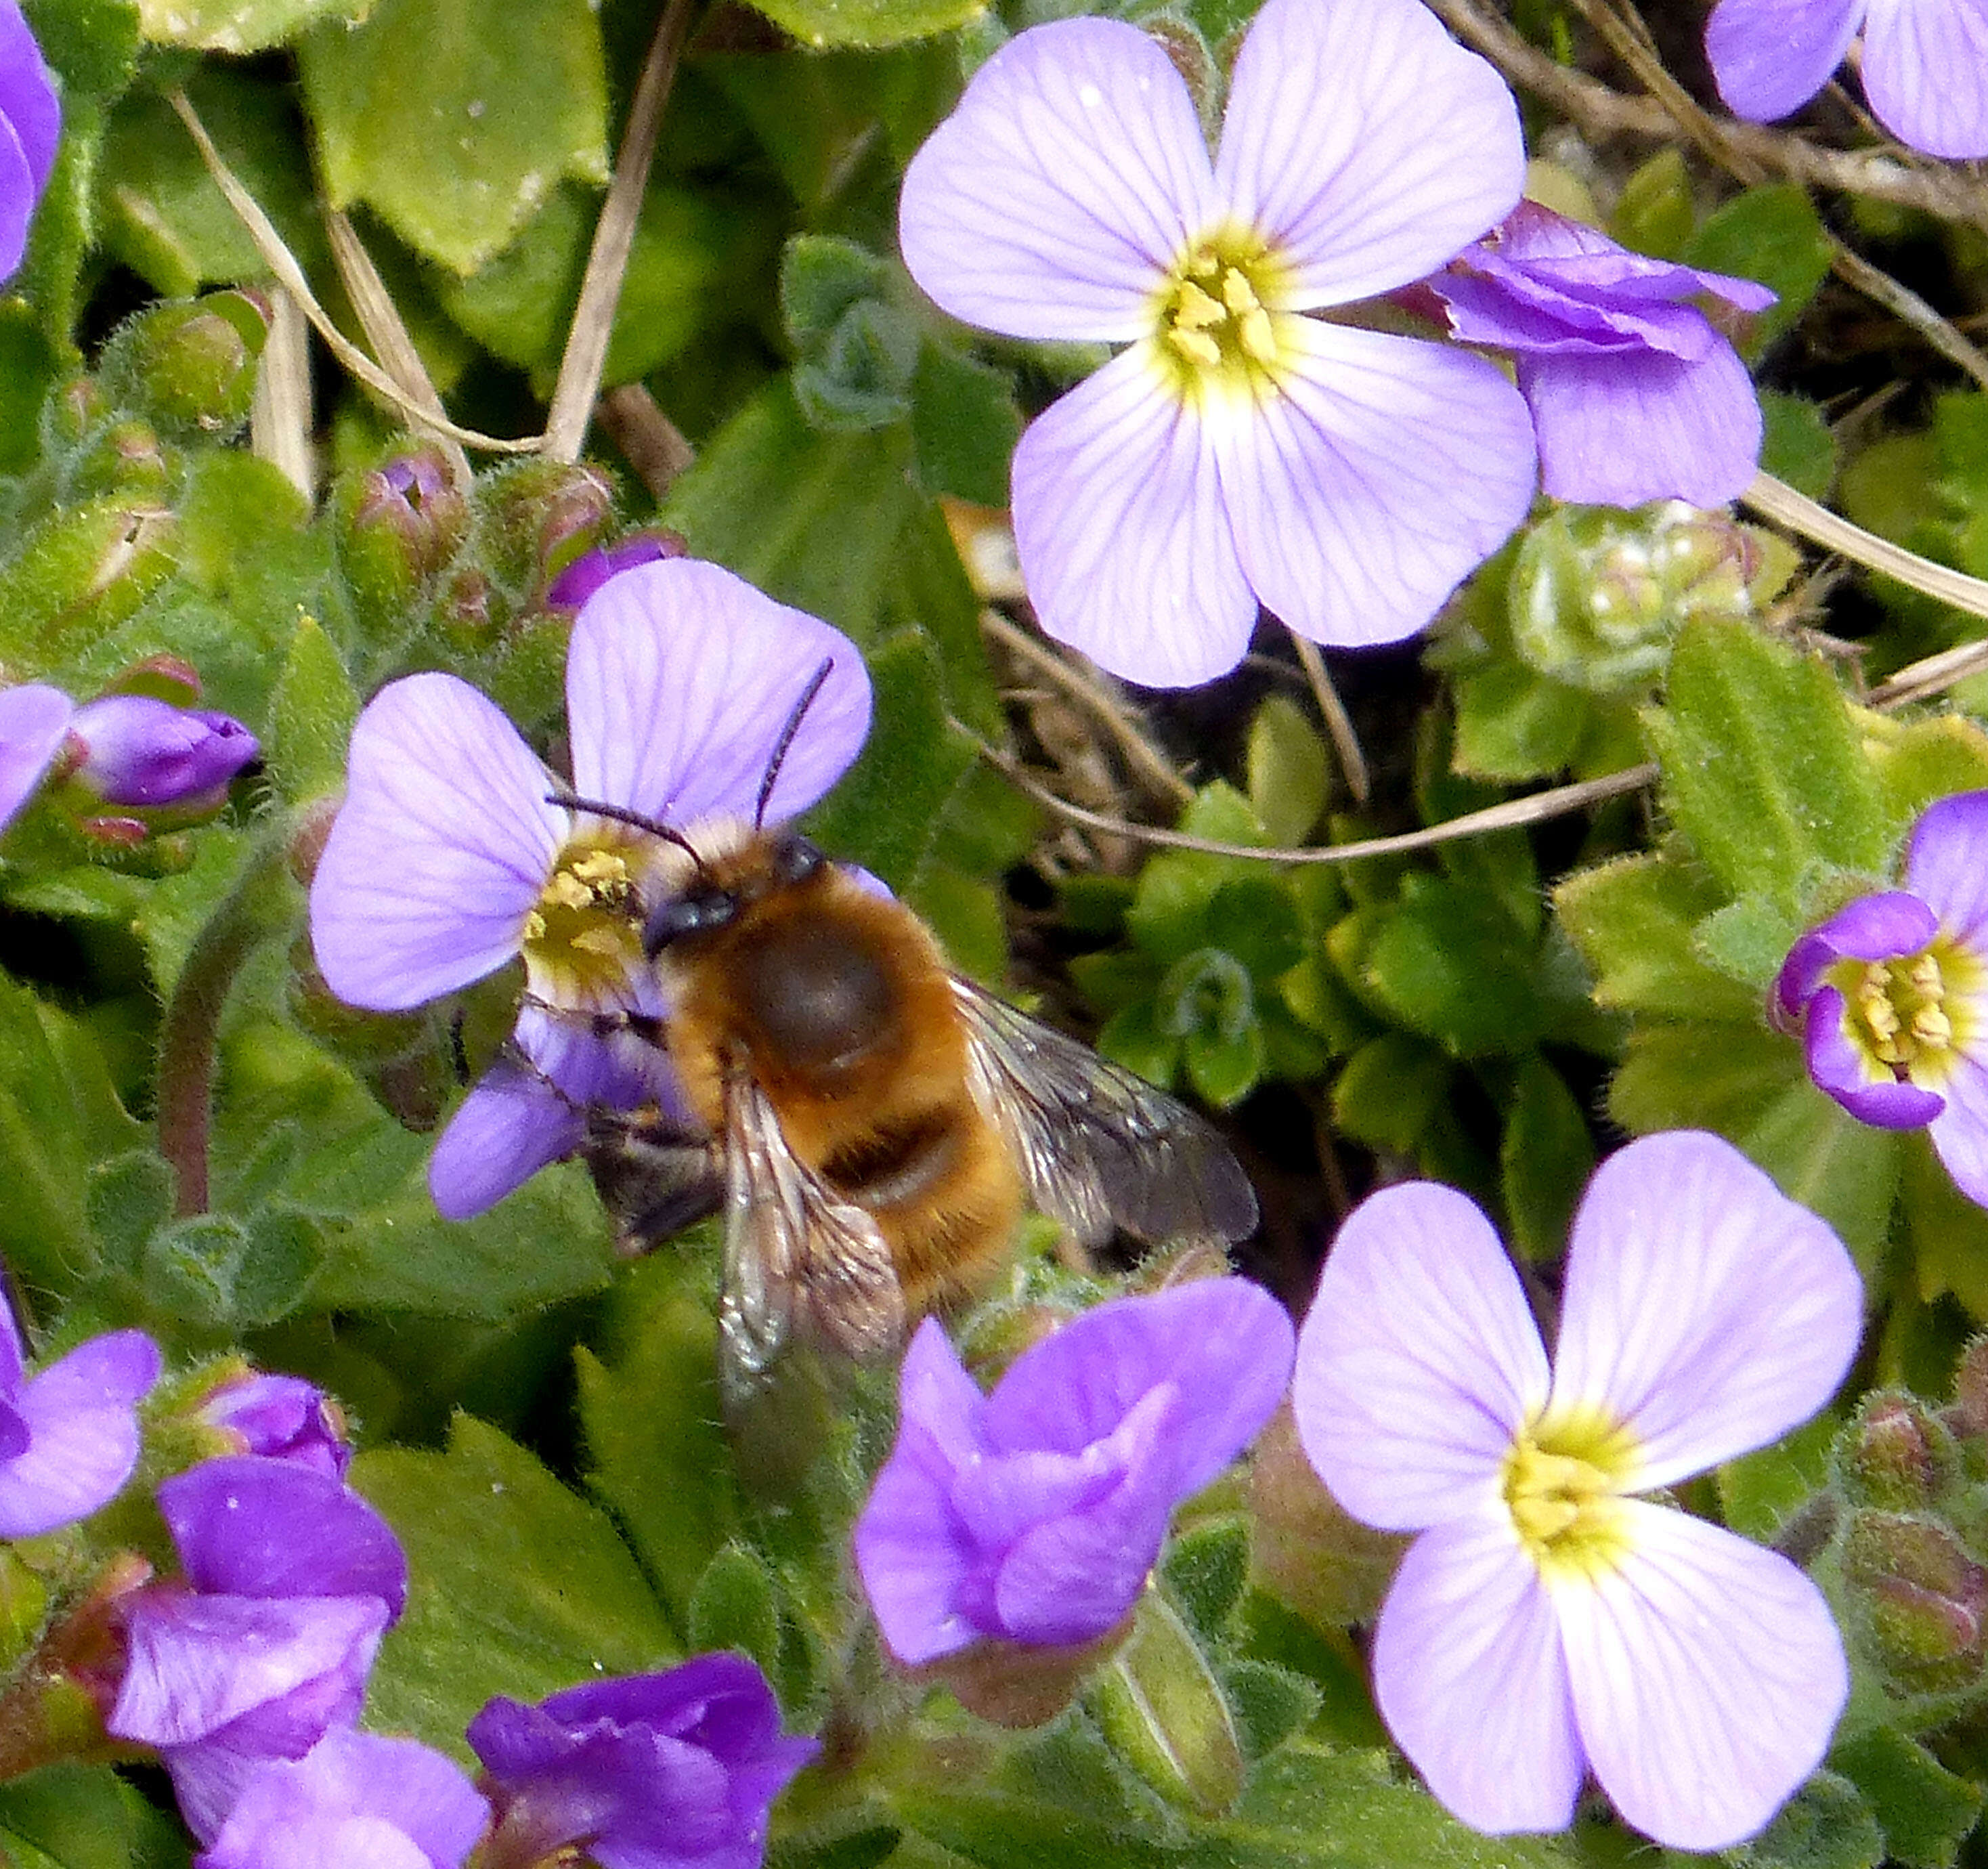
(644, 1025)
(655, 1174)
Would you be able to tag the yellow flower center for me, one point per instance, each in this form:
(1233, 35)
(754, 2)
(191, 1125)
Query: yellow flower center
(1216, 313)
(1915, 1013)
(583, 941)
(1563, 1482)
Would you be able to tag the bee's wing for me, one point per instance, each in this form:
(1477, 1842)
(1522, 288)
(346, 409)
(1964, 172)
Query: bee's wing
(1097, 1147)
(798, 1263)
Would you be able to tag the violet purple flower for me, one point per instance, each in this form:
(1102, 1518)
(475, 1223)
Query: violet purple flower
(34, 719)
(448, 860)
(1033, 1514)
(141, 751)
(289, 1581)
(1236, 451)
(1546, 1623)
(1924, 64)
(30, 128)
(279, 1417)
(1634, 395)
(353, 1799)
(1890, 995)
(69, 1436)
(668, 1771)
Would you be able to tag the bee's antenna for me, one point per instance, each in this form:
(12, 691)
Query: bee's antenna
(785, 743)
(621, 814)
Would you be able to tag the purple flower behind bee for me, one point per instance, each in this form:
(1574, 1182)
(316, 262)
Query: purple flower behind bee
(1033, 1514)
(34, 722)
(140, 751)
(675, 1770)
(280, 1417)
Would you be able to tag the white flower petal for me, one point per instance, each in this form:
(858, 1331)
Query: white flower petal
(1124, 546)
(1469, 1675)
(1708, 1677)
(1385, 474)
(1703, 1308)
(1417, 1361)
(1367, 144)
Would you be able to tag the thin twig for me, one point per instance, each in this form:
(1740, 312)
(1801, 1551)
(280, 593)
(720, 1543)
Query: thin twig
(1907, 306)
(1338, 722)
(1629, 39)
(1140, 755)
(380, 319)
(1603, 112)
(1816, 523)
(281, 261)
(579, 384)
(279, 418)
(1931, 676)
(652, 444)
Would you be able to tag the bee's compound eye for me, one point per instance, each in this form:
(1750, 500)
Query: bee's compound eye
(794, 859)
(695, 912)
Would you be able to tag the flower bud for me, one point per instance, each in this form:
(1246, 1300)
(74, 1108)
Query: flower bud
(141, 751)
(398, 525)
(280, 1417)
(536, 516)
(1597, 594)
(1163, 1713)
(1969, 1413)
(1307, 1551)
(1925, 1597)
(587, 572)
(191, 366)
(84, 572)
(126, 458)
(1897, 1457)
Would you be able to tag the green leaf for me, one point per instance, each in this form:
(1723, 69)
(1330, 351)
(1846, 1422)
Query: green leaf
(964, 425)
(215, 1271)
(310, 717)
(656, 1456)
(1773, 234)
(1389, 1092)
(453, 118)
(1513, 723)
(1821, 1155)
(1207, 1568)
(1654, 213)
(1797, 446)
(79, 1817)
(1134, 1037)
(1289, 774)
(1758, 1491)
(1827, 1825)
(1747, 940)
(1544, 1159)
(240, 26)
(822, 277)
(1925, 1810)
(734, 1606)
(1224, 1066)
(93, 44)
(519, 1586)
(1764, 765)
(822, 23)
(1947, 1232)
(1448, 962)
(1633, 921)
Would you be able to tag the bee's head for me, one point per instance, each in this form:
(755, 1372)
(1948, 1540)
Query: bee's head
(719, 891)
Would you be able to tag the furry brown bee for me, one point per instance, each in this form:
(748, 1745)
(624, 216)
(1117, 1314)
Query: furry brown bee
(870, 1124)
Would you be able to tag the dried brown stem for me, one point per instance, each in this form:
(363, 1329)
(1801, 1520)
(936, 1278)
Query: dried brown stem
(1338, 722)
(651, 443)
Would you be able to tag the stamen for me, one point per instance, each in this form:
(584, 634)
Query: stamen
(1563, 1484)
(1912, 1014)
(1215, 314)
(583, 941)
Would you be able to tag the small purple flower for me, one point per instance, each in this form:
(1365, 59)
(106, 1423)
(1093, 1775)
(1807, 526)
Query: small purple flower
(1890, 995)
(1634, 396)
(141, 751)
(354, 1799)
(1033, 1514)
(447, 859)
(289, 1581)
(30, 128)
(668, 1771)
(1924, 64)
(1546, 1623)
(34, 717)
(69, 1437)
(1236, 452)
(587, 572)
(280, 1417)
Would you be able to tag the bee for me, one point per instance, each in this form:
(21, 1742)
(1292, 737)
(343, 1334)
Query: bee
(870, 1123)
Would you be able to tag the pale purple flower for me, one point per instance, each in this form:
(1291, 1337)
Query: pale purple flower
(69, 1437)
(289, 1581)
(139, 750)
(1236, 451)
(1033, 1514)
(587, 572)
(1924, 63)
(1890, 995)
(1634, 396)
(353, 1799)
(34, 717)
(30, 128)
(448, 858)
(1548, 1623)
(668, 1771)
(280, 1417)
